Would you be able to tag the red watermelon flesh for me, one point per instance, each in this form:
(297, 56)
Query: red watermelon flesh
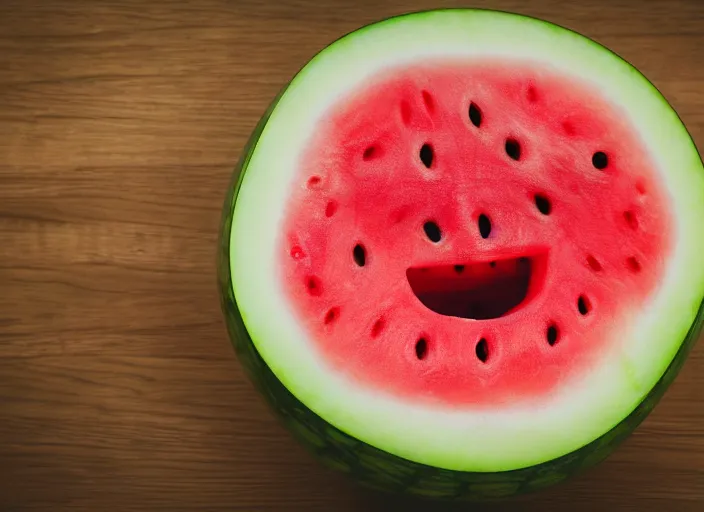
(469, 232)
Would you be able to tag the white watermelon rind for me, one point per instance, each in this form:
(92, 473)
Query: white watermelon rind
(507, 438)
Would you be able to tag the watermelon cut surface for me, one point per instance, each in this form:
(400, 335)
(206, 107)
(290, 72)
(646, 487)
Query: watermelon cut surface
(460, 254)
(403, 197)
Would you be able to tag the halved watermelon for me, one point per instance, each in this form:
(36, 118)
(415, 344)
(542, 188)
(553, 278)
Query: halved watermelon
(461, 254)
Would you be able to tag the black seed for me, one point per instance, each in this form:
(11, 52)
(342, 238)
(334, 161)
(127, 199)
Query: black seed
(369, 153)
(484, 226)
(405, 112)
(428, 100)
(359, 254)
(513, 149)
(492, 264)
(482, 350)
(543, 204)
(532, 94)
(421, 348)
(426, 155)
(432, 231)
(459, 268)
(314, 286)
(630, 219)
(583, 305)
(331, 315)
(475, 115)
(593, 263)
(330, 208)
(377, 327)
(523, 264)
(552, 334)
(633, 264)
(600, 160)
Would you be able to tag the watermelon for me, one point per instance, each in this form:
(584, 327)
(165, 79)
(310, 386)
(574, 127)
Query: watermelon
(460, 255)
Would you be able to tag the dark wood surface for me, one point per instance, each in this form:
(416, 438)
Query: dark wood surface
(120, 122)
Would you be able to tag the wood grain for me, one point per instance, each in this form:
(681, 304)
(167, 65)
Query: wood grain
(120, 122)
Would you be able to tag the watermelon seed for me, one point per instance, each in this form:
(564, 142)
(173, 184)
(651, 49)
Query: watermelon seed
(513, 149)
(405, 112)
(330, 208)
(475, 115)
(482, 350)
(332, 315)
(532, 94)
(426, 155)
(584, 305)
(633, 264)
(593, 263)
(421, 348)
(314, 286)
(314, 181)
(630, 219)
(377, 327)
(297, 252)
(369, 153)
(492, 264)
(432, 231)
(552, 334)
(484, 226)
(398, 215)
(359, 254)
(600, 160)
(543, 204)
(459, 268)
(428, 100)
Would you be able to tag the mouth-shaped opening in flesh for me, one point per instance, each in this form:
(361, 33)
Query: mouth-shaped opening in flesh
(479, 290)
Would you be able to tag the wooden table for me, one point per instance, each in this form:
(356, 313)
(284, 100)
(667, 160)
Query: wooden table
(120, 122)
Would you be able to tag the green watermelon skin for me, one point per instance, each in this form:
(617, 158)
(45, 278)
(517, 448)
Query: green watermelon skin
(381, 470)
